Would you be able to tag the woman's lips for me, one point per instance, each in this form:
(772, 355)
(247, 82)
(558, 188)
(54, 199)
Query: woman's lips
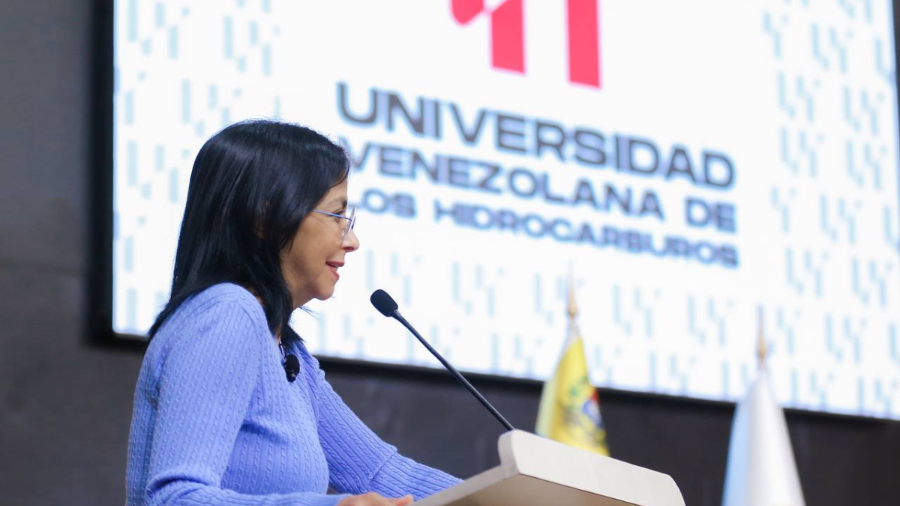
(334, 267)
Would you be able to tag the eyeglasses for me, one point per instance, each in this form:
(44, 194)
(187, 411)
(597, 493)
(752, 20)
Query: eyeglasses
(351, 220)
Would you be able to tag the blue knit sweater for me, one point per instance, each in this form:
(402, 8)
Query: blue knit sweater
(217, 423)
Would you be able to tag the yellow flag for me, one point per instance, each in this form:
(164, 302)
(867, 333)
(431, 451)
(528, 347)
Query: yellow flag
(570, 408)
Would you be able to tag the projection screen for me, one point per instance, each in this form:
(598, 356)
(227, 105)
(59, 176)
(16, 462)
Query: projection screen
(686, 164)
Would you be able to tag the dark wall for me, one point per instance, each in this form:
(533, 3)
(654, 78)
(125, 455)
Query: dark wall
(65, 403)
(841, 460)
(64, 406)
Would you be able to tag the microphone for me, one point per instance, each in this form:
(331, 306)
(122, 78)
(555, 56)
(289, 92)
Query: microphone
(388, 307)
(290, 363)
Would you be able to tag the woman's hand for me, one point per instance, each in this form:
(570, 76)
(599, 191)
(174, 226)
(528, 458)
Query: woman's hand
(373, 499)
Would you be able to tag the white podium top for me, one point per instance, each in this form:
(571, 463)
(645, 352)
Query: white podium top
(535, 471)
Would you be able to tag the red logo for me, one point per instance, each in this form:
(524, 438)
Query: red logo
(508, 35)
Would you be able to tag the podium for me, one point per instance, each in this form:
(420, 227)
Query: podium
(535, 471)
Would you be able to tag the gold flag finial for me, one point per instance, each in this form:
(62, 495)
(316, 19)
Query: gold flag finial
(761, 347)
(573, 307)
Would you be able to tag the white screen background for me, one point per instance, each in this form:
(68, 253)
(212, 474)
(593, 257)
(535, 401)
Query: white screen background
(801, 97)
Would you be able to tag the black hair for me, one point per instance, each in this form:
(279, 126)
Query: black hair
(251, 186)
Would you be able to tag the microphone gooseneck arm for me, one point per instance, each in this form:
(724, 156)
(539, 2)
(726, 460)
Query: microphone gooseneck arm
(459, 377)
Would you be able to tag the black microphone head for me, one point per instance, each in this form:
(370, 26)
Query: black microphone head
(383, 302)
(291, 366)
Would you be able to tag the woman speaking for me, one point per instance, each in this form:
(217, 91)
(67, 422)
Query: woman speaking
(230, 408)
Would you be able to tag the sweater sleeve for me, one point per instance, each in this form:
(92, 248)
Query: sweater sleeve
(206, 383)
(358, 460)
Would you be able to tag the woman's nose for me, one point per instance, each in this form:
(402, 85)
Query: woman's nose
(351, 242)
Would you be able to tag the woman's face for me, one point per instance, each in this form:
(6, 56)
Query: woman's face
(310, 264)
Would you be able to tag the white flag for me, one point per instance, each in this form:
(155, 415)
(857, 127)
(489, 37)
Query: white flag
(761, 468)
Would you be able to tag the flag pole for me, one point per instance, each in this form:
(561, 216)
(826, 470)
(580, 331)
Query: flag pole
(569, 410)
(762, 348)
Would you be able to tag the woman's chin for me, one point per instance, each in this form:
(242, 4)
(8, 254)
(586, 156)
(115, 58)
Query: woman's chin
(326, 294)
